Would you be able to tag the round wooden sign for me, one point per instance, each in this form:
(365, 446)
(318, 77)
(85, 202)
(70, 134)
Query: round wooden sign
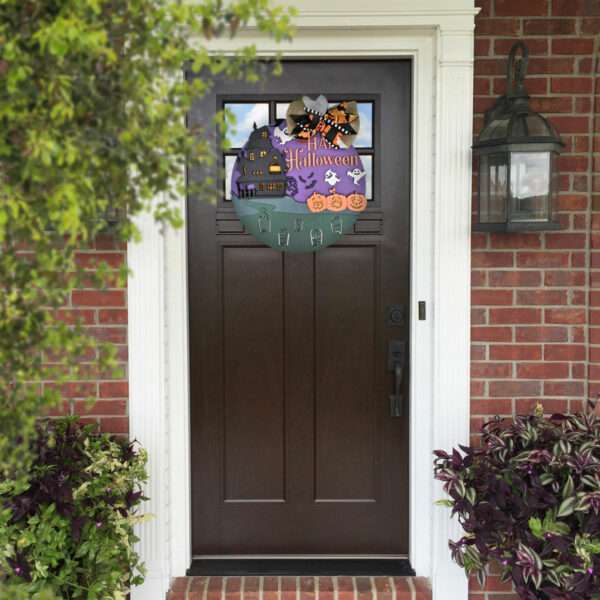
(295, 185)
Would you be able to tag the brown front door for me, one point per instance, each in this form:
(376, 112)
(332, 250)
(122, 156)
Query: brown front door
(294, 447)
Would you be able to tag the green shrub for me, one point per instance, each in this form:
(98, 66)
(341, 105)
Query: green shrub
(68, 527)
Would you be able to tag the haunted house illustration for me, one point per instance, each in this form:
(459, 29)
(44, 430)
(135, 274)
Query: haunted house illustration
(261, 166)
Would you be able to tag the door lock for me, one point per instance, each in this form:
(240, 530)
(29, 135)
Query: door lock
(394, 315)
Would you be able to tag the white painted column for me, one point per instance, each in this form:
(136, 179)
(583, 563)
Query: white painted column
(178, 398)
(452, 284)
(147, 402)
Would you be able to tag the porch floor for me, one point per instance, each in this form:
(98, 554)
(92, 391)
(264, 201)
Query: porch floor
(299, 588)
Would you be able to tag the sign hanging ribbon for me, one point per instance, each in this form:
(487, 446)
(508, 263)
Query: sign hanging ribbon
(338, 124)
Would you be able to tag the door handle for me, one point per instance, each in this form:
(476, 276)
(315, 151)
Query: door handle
(396, 399)
(396, 352)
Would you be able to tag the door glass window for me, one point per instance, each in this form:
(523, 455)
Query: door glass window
(262, 113)
(229, 164)
(246, 115)
(364, 139)
(367, 161)
(281, 110)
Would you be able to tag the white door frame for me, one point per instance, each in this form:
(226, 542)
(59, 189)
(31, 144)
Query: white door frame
(439, 40)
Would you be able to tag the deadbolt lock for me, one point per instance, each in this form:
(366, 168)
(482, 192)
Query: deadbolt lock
(395, 315)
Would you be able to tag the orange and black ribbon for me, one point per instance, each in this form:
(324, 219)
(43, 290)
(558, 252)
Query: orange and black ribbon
(337, 124)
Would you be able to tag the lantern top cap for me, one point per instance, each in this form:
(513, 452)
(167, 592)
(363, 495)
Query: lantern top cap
(511, 124)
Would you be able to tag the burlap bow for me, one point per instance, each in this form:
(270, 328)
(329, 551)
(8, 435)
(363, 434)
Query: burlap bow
(337, 124)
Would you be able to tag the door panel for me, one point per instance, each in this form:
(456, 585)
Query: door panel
(294, 450)
(253, 360)
(345, 378)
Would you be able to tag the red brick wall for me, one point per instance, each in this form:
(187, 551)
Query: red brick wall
(536, 314)
(104, 313)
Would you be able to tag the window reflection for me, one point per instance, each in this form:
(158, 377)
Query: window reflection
(530, 184)
(281, 109)
(229, 164)
(246, 115)
(364, 139)
(495, 210)
(367, 161)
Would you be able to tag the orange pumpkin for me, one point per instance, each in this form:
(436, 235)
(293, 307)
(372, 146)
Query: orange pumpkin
(317, 202)
(336, 202)
(357, 202)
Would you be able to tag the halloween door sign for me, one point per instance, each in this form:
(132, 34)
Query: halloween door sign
(299, 185)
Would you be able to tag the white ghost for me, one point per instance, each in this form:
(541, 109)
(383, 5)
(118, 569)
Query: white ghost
(331, 177)
(282, 135)
(356, 175)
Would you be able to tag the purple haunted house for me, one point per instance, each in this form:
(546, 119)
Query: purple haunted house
(261, 167)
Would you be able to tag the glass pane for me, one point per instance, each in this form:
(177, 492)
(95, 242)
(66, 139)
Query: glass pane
(484, 190)
(281, 109)
(496, 129)
(494, 188)
(229, 164)
(367, 162)
(530, 185)
(537, 126)
(246, 115)
(364, 139)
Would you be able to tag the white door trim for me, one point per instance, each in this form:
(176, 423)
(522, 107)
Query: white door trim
(439, 40)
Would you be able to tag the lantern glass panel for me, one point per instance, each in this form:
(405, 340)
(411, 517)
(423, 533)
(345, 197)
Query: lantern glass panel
(496, 129)
(536, 126)
(493, 169)
(530, 186)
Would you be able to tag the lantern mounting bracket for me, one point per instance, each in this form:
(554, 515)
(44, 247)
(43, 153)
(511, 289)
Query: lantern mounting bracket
(516, 70)
(516, 96)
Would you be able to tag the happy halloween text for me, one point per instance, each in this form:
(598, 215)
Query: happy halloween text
(301, 158)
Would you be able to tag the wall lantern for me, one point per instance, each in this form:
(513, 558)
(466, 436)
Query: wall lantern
(517, 151)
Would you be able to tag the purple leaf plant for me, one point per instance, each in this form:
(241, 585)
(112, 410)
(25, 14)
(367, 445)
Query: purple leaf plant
(528, 499)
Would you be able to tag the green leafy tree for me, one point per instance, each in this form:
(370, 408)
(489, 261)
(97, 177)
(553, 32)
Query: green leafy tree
(92, 124)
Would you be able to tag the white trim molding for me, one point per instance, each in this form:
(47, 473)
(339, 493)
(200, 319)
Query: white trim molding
(147, 396)
(437, 35)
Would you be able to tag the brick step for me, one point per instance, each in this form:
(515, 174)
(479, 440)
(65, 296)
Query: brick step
(300, 588)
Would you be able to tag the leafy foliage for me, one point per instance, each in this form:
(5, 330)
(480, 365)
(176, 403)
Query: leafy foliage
(92, 125)
(529, 499)
(68, 528)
